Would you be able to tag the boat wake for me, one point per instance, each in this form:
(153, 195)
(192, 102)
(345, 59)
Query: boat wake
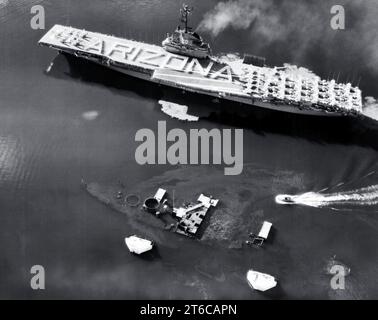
(370, 108)
(367, 196)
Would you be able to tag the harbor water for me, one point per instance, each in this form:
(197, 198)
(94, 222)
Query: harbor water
(63, 120)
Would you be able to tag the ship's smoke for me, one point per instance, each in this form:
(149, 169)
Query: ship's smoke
(237, 14)
(272, 19)
(299, 28)
(367, 196)
(3, 3)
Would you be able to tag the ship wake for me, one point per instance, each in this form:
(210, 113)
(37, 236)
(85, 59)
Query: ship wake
(367, 196)
(370, 108)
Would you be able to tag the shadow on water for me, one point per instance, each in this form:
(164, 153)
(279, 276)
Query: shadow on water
(324, 130)
(276, 293)
(150, 255)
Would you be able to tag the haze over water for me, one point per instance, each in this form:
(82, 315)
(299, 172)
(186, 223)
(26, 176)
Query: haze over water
(79, 121)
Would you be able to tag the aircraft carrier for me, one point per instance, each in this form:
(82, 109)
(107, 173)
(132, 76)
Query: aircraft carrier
(185, 62)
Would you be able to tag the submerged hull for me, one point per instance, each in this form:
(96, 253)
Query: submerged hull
(210, 76)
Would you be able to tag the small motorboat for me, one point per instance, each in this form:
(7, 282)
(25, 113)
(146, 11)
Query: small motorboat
(288, 200)
(138, 245)
(285, 199)
(260, 281)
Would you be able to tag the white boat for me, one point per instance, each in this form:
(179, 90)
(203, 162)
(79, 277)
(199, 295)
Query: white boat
(138, 245)
(260, 281)
(285, 199)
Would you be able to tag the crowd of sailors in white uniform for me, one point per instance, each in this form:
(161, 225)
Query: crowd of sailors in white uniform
(270, 84)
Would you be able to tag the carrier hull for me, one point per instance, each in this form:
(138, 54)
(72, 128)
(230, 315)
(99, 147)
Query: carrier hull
(210, 76)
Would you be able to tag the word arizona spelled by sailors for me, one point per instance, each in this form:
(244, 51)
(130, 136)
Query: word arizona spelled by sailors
(199, 140)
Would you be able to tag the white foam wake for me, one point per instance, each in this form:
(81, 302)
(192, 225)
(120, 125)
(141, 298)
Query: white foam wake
(370, 108)
(367, 196)
(176, 111)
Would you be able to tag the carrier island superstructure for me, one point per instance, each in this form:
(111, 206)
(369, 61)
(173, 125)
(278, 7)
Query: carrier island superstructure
(241, 80)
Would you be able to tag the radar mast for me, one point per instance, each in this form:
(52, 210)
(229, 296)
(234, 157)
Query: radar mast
(185, 11)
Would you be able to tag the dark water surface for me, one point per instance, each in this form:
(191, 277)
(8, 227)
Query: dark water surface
(47, 145)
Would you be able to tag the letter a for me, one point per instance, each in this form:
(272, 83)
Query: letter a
(338, 20)
(37, 282)
(145, 153)
(338, 280)
(38, 21)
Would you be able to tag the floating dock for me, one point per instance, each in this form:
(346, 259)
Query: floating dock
(191, 217)
(187, 218)
(263, 234)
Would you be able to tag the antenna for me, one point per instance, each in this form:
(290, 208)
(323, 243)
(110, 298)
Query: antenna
(185, 12)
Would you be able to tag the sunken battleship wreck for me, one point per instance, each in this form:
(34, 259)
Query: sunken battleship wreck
(185, 61)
